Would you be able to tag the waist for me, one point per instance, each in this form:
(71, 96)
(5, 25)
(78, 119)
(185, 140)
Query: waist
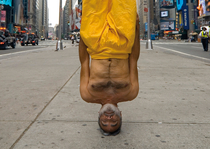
(107, 53)
(108, 56)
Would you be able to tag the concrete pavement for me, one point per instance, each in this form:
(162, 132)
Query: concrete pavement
(40, 104)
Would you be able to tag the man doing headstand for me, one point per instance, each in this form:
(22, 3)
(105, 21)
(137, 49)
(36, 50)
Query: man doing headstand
(110, 36)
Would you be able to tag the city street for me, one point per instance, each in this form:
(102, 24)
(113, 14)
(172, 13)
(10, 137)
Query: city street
(41, 107)
(192, 49)
(20, 48)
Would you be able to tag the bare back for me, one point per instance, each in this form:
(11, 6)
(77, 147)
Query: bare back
(109, 78)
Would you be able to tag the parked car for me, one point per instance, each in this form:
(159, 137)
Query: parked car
(6, 39)
(42, 38)
(29, 39)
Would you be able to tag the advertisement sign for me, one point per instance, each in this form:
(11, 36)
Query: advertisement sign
(180, 19)
(6, 2)
(195, 18)
(201, 7)
(75, 16)
(166, 3)
(164, 14)
(3, 16)
(145, 25)
(78, 10)
(167, 25)
(180, 4)
(185, 17)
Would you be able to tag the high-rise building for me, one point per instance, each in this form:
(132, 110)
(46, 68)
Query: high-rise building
(143, 18)
(43, 18)
(17, 16)
(30, 16)
(37, 17)
(66, 20)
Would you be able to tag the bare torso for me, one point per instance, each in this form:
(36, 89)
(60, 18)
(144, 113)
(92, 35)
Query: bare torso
(109, 78)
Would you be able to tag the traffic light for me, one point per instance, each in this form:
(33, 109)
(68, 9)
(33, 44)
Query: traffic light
(68, 23)
(192, 22)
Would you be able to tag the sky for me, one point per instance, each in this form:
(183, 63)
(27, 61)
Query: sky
(53, 6)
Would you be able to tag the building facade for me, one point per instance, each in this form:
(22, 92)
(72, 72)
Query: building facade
(66, 20)
(20, 16)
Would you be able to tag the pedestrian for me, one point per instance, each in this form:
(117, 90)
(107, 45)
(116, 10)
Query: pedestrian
(204, 38)
(72, 39)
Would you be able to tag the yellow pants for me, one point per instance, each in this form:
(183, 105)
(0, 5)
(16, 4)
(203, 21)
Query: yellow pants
(108, 27)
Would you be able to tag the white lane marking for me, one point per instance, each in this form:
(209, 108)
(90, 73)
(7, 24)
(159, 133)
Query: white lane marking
(197, 47)
(162, 42)
(184, 53)
(19, 52)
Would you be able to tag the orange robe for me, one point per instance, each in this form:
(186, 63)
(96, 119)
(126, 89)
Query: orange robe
(108, 27)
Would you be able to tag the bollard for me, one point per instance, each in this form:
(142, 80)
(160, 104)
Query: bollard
(59, 45)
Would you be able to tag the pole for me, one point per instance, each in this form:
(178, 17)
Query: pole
(149, 42)
(59, 45)
(60, 9)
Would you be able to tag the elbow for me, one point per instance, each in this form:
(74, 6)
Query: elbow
(85, 98)
(84, 93)
(135, 92)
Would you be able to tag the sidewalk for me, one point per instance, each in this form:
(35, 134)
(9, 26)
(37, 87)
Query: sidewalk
(40, 104)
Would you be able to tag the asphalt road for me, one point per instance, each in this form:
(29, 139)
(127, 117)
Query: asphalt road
(190, 49)
(20, 49)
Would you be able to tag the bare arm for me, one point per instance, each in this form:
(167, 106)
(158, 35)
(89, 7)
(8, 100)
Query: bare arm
(85, 71)
(134, 56)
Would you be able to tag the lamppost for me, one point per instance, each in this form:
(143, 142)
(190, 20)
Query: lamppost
(59, 45)
(1, 8)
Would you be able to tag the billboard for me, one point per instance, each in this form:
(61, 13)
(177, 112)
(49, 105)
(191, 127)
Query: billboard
(166, 25)
(166, 3)
(6, 2)
(75, 16)
(203, 7)
(185, 17)
(164, 13)
(146, 26)
(180, 4)
(78, 10)
(3, 16)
